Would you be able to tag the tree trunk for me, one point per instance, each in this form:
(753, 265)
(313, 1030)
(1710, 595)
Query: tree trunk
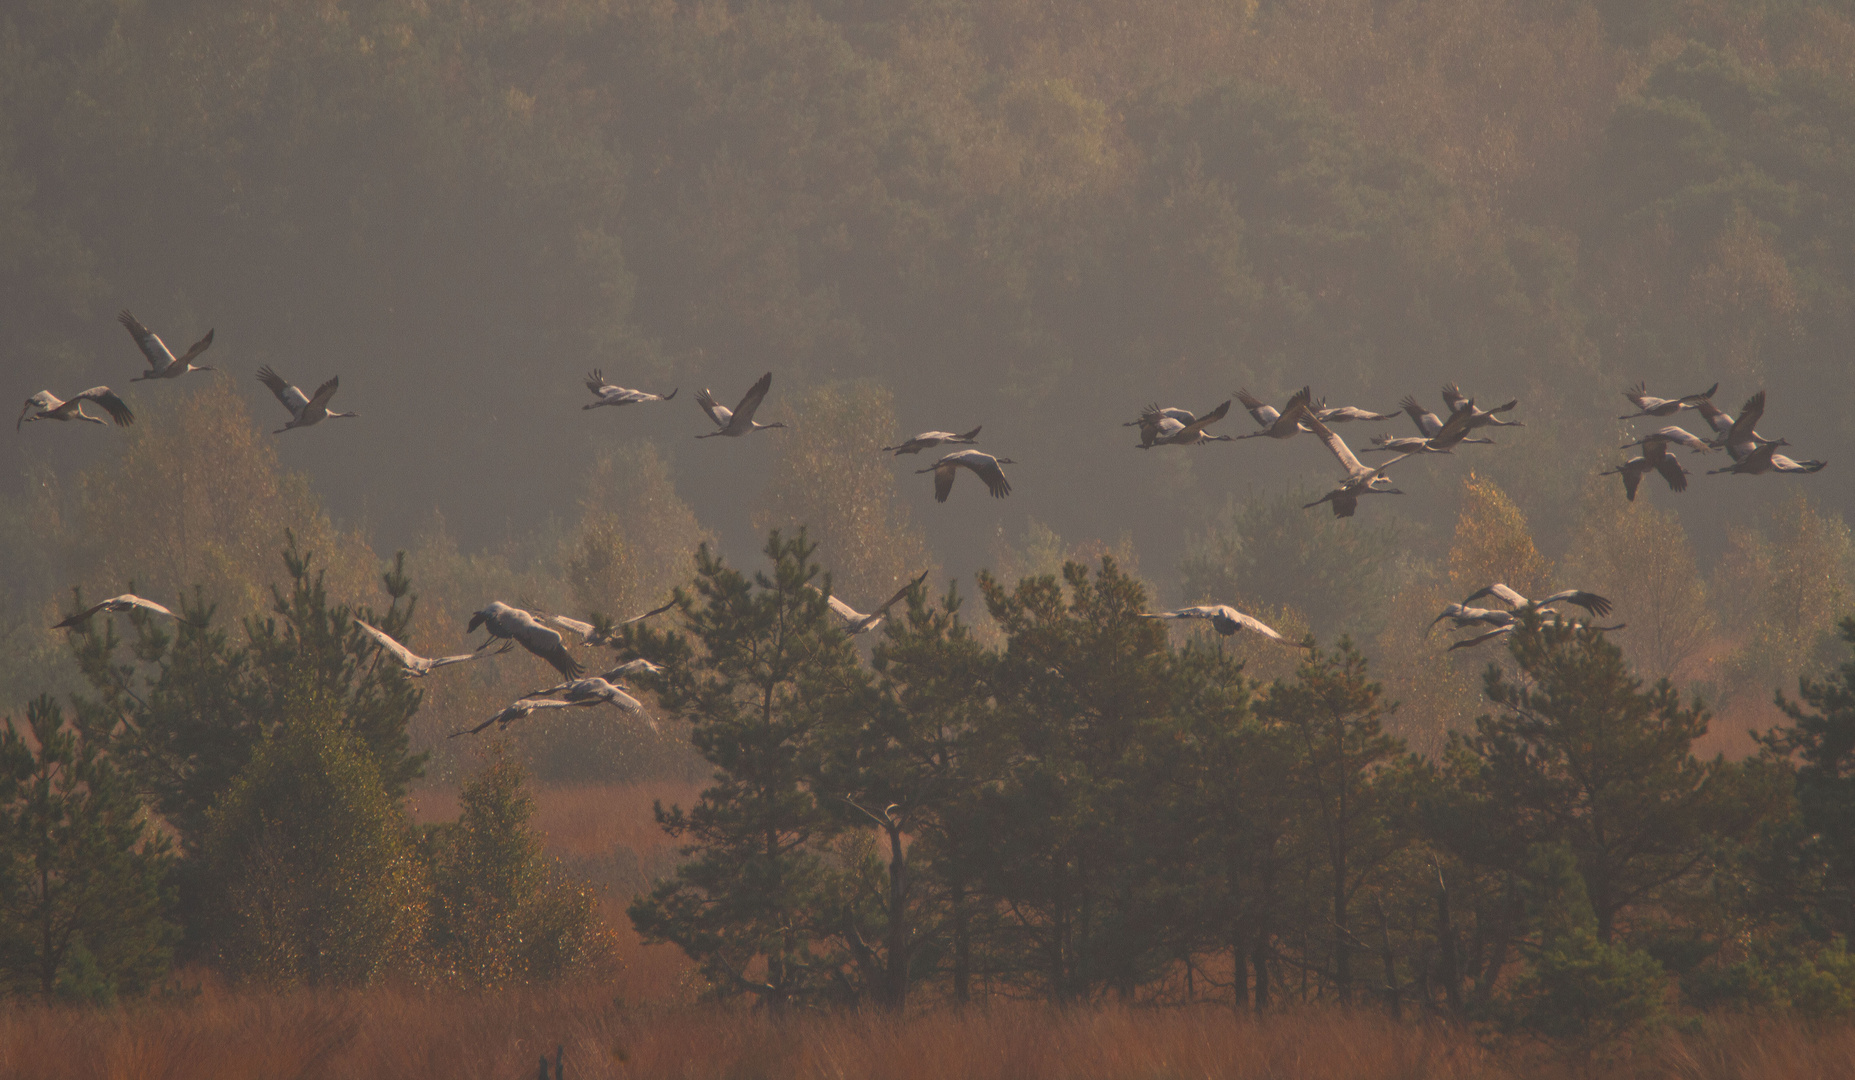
(962, 946)
(1446, 940)
(1393, 999)
(895, 990)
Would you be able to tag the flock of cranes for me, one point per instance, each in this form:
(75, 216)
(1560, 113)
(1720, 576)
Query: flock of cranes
(1751, 454)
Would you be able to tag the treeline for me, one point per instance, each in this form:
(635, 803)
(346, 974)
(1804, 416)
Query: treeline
(241, 805)
(1086, 811)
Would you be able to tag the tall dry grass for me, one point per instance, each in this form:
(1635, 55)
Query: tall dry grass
(411, 1036)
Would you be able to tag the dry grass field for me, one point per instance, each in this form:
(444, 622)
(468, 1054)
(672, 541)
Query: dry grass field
(409, 1035)
(644, 1021)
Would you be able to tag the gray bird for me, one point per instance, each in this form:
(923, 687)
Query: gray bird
(608, 635)
(418, 666)
(1655, 456)
(518, 711)
(596, 691)
(1359, 481)
(1766, 459)
(739, 420)
(1638, 395)
(1225, 619)
(512, 623)
(1408, 444)
(1459, 403)
(1595, 604)
(115, 604)
(618, 395)
(52, 408)
(1277, 425)
(1429, 426)
(304, 410)
(1677, 435)
(1171, 431)
(1548, 619)
(162, 363)
(929, 439)
(855, 622)
(984, 466)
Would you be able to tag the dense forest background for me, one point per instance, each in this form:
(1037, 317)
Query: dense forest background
(938, 214)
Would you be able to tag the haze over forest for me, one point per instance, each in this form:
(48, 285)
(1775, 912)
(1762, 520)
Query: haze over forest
(1036, 218)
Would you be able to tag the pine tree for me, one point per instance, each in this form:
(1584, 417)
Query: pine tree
(908, 766)
(83, 893)
(1331, 716)
(763, 672)
(1083, 694)
(1821, 737)
(1580, 754)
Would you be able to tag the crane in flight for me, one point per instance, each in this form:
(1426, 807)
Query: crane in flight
(1766, 459)
(1176, 426)
(1546, 619)
(739, 420)
(162, 363)
(304, 410)
(518, 711)
(602, 633)
(417, 667)
(1277, 425)
(855, 622)
(595, 691)
(1655, 456)
(1430, 427)
(1646, 405)
(984, 466)
(512, 623)
(1359, 481)
(1225, 619)
(51, 407)
(1590, 601)
(115, 604)
(618, 395)
(929, 439)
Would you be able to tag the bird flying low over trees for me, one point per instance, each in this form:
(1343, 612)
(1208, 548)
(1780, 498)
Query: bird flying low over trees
(162, 363)
(1276, 425)
(304, 410)
(1595, 604)
(418, 666)
(503, 621)
(1655, 456)
(1340, 414)
(601, 631)
(1429, 426)
(1225, 619)
(1459, 403)
(984, 466)
(1677, 435)
(1172, 431)
(1766, 459)
(1360, 480)
(1545, 619)
(618, 395)
(1408, 444)
(740, 420)
(595, 691)
(125, 602)
(52, 408)
(929, 439)
(1646, 405)
(855, 622)
(518, 711)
